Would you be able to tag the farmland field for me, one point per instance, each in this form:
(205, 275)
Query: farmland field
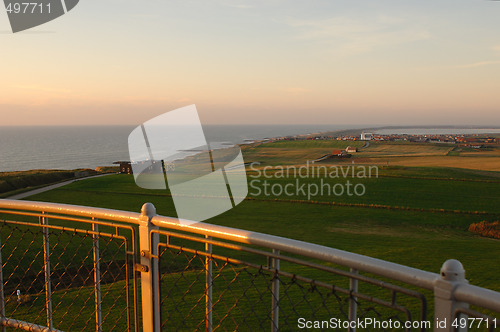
(406, 149)
(293, 152)
(377, 153)
(466, 162)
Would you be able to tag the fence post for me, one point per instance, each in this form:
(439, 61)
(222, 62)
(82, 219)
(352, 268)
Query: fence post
(2, 295)
(149, 270)
(353, 304)
(97, 277)
(46, 264)
(275, 293)
(209, 288)
(452, 275)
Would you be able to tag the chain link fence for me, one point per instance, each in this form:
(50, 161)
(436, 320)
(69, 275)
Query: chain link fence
(203, 288)
(67, 278)
(65, 270)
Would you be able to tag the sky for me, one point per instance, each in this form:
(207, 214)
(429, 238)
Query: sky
(122, 62)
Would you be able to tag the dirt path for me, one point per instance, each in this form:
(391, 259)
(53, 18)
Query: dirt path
(50, 187)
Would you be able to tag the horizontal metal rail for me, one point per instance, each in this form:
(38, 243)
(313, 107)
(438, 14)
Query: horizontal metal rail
(479, 296)
(363, 263)
(74, 210)
(472, 294)
(19, 324)
(380, 267)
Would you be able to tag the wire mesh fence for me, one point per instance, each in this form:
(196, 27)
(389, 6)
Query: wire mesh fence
(70, 271)
(66, 278)
(204, 289)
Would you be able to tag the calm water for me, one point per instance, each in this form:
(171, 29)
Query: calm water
(25, 148)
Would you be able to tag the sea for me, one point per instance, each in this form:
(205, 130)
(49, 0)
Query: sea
(67, 147)
(72, 147)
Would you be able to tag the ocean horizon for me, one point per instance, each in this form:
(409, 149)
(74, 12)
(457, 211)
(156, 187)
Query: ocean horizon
(72, 147)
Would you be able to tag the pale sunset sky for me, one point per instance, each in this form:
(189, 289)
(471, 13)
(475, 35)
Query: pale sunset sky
(116, 62)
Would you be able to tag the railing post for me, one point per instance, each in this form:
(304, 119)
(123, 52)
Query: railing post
(2, 295)
(275, 301)
(353, 304)
(46, 263)
(452, 275)
(209, 284)
(149, 270)
(97, 277)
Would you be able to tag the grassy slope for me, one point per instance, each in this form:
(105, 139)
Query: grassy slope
(16, 182)
(406, 237)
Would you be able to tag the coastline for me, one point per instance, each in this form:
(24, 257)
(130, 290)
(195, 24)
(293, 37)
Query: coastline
(64, 148)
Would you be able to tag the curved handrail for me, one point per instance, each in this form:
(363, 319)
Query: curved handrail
(380, 267)
(464, 292)
(75, 210)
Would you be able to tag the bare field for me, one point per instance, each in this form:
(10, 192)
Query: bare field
(383, 153)
(405, 149)
(293, 152)
(476, 162)
(474, 154)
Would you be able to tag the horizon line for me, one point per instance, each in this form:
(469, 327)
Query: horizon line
(354, 126)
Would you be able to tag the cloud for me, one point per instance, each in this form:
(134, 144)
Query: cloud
(349, 36)
(480, 64)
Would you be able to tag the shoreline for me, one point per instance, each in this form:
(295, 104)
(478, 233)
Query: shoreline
(351, 133)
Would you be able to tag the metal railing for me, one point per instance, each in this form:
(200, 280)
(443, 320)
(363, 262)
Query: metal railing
(66, 267)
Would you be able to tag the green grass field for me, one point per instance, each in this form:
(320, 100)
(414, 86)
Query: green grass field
(409, 237)
(415, 216)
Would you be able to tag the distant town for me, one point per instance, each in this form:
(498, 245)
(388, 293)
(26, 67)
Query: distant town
(475, 141)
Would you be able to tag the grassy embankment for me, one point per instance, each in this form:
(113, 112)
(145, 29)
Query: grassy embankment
(12, 183)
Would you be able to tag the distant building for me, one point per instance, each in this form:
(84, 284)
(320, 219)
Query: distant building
(125, 167)
(366, 136)
(351, 149)
(340, 154)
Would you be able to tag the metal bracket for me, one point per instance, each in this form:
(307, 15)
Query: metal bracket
(141, 268)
